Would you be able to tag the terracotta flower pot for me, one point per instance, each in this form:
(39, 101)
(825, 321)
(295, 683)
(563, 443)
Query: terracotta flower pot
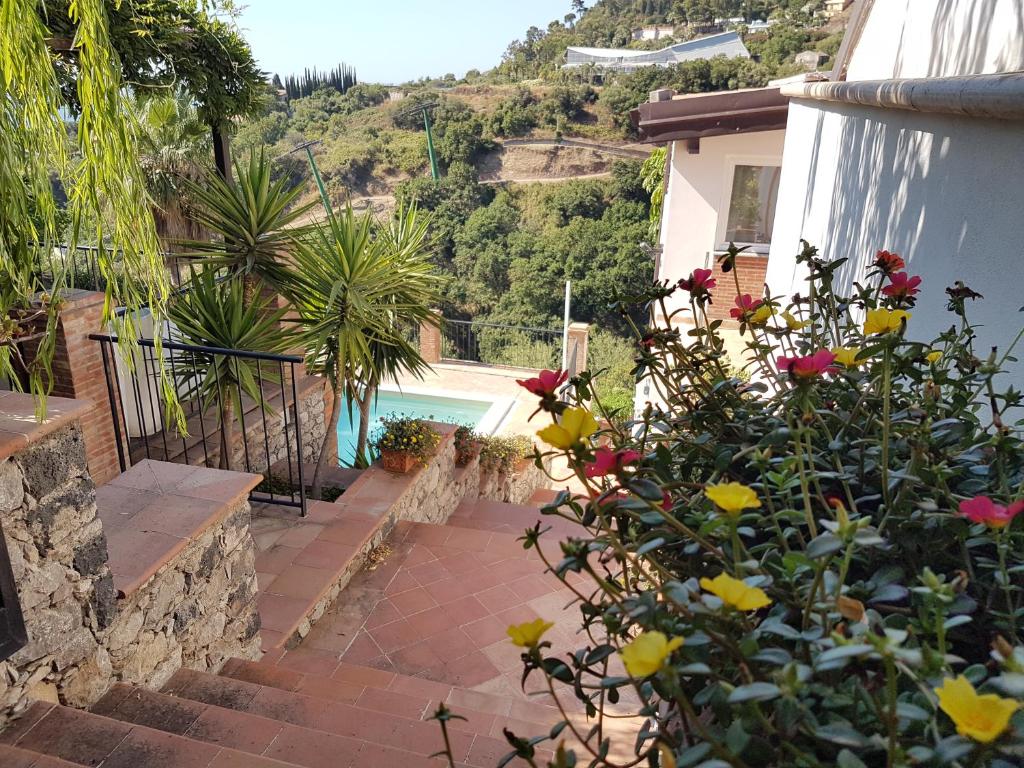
(397, 461)
(466, 456)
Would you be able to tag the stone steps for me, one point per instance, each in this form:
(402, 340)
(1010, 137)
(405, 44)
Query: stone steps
(60, 736)
(513, 519)
(13, 757)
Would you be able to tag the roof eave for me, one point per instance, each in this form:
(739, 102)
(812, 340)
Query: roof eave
(714, 114)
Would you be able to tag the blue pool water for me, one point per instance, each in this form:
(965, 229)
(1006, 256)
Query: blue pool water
(449, 409)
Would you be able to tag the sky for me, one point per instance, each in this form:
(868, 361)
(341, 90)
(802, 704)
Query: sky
(390, 41)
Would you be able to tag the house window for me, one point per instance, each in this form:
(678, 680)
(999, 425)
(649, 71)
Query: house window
(12, 625)
(755, 190)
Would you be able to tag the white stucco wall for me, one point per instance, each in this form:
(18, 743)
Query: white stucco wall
(939, 38)
(699, 187)
(942, 191)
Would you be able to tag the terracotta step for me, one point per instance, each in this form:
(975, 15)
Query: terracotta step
(389, 726)
(543, 496)
(89, 739)
(307, 733)
(319, 677)
(502, 517)
(13, 757)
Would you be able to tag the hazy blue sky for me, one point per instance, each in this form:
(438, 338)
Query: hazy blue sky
(390, 41)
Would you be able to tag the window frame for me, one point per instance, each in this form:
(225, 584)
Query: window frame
(729, 177)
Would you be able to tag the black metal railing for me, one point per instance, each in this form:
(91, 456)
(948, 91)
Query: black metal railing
(241, 412)
(80, 266)
(504, 345)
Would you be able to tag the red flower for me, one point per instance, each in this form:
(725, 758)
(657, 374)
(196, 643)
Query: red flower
(902, 286)
(888, 262)
(699, 282)
(545, 384)
(666, 501)
(609, 462)
(981, 509)
(809, 366)
(746, 305)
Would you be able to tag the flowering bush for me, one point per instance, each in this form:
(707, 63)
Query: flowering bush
(500, 453)
(404, 434)
(820, 566)
(467, 444)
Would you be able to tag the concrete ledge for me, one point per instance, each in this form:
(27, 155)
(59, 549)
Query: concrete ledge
(999, 97)
(18, 424)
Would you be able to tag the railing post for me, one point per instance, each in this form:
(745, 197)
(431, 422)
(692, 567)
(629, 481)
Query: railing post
(430, 338)
(578, 336)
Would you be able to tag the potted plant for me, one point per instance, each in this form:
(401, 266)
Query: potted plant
(467, 445)
(406, 442)
(501, 454)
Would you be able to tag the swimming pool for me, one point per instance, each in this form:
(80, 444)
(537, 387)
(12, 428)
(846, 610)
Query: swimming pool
(455, 407)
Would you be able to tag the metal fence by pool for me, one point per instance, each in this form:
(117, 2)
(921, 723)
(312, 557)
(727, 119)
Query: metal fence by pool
(503, 345)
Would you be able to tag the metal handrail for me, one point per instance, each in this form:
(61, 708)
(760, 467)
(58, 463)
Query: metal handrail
(134, 398)
(448, 321)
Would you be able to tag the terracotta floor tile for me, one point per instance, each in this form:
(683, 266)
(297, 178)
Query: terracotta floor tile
(117, 505)
(300, 581)
(382, 613)
(163, 713)
(464, 611)
(210, 689)
(309, 661)
(330, 689)
(530, 587)
(134, 556)
(451, 644)
(402, 582)
(463, 538)
(417, 555)
(391, 637)
(428, 623)
(393, 703)
(160, 750)
(517, 615)
(276, 559)
(461, 563)
(413, 601)
(326, 554)
(280, 613)
(414, 686)
(430, 534)
(229, 758)
(349, 531)
(486, 631)
(429, 572)
(416, 659)
(504, 656)
(74, 736)
(234, 730)
(270, 640)
(446, 590)
(462, 698)
(295, 746)
(362, 649)
(498, 599)
(262, 674)
(470, 670)
(286, 707)
(300, 535)
(354, 722)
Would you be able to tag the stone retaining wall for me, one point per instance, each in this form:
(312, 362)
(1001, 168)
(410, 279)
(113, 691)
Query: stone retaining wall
(196, 610)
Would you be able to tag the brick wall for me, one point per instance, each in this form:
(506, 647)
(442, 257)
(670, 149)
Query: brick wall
(78, 373)
(751, 271)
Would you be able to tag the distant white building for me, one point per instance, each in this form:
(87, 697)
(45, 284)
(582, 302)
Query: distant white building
(727, 44)
(654, 32)
(835, 7)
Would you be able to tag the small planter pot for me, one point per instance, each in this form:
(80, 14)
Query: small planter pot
(397, 461)
(466, 456)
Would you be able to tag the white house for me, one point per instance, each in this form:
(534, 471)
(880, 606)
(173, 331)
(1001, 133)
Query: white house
(915, 146)
(722, 183)
(654, 32)
(628, 59)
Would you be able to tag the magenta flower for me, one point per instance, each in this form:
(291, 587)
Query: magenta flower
(609, 462)
(981, 509)
(809, 366)
(699, 282)
(902, 286)
(746, 306)
(545, 384)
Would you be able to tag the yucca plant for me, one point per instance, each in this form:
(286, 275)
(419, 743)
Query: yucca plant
(215, 313)
(357, 287)
(255, 221)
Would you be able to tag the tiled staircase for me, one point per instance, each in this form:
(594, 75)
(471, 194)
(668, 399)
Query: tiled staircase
(361, 688)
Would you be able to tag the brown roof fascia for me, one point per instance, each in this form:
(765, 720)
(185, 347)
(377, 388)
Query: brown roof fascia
(712, 114)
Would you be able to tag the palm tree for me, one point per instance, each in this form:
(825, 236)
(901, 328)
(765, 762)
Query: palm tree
(255, 220)
(215, 313)
(357, 288)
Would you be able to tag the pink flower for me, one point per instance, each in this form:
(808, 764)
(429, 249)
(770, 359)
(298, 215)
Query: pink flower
(981, 509)
(888, 262)
(809, 366)
(699, 282)
(666, 501)
(545, 384)
(746, 305)
(609, 462)
(902, 285)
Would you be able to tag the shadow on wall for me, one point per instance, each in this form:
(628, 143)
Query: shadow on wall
(963, 31)
(938, 189)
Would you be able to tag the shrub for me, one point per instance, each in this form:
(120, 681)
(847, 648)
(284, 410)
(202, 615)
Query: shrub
(819, 567)
(501, 453)
(405, 434)
(467, 444)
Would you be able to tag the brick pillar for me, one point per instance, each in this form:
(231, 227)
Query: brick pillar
(78, 373)
(579, 334)
(430, 339)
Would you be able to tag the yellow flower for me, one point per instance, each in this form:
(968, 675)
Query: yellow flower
(793, 323)
(647, 653)
(982, 718)
(761, 314)
(575, 426)
(933, 357)
(732, 498)
(847, 356)
(527, 635)
(885, 320)
(735, 593)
